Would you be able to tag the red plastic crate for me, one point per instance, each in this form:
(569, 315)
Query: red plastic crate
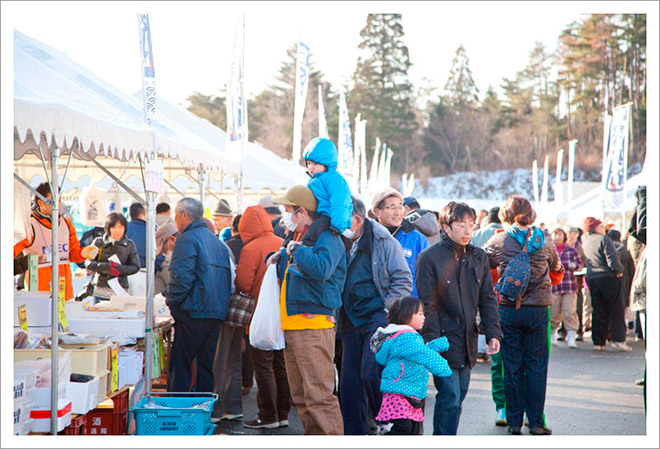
(109, 421)
(76, 426)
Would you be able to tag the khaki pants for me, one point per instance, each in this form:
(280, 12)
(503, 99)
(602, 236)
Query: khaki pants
(309, 356)
(563, 307)
(587, 309)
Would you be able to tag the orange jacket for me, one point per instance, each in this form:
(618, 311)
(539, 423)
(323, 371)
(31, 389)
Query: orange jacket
(256, 232)
(41, 230)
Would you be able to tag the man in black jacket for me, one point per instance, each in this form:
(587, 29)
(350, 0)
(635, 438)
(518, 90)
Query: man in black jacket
(454, 281)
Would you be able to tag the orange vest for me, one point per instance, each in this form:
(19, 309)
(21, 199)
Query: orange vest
(40, 243)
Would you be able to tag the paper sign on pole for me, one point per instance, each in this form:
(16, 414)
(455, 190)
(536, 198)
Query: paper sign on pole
(22, 317)
(33, 272)
(62, 293)
(154, 175)
(114, 362)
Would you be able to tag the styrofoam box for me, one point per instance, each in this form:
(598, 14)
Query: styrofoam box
(107, 327)
(41, 416)
(131, 364)
(89, 359)
(84, 395)
(105, 387)
(38, 306)
(28, 377)
(22, 421)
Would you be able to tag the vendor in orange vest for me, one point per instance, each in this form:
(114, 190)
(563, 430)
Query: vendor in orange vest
(39, 242)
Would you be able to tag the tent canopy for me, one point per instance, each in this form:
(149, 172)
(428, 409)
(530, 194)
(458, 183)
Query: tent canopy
(55, 97)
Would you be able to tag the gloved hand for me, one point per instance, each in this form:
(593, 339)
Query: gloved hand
(114, 271)
(90, 251)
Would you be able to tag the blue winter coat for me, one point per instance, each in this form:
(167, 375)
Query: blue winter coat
(200, 272)
(412, 242)
(330, 188)
(316, 274)
(137, 231)
(408, 360)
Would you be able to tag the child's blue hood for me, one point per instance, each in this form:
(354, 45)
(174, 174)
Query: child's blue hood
(321, 151)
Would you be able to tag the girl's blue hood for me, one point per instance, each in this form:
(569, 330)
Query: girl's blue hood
(321, 151)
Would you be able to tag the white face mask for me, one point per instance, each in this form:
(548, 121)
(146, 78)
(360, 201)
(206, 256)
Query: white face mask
(349, 234)
(288, 220)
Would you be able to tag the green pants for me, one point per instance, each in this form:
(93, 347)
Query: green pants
(497, 375)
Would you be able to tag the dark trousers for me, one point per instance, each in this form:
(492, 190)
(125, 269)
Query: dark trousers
(525, 354)
(193, 338)
(449, 400)
(247, 373)
(579, 304)
(406, 427)
(608, 314)
(360, 375)
(273, 395)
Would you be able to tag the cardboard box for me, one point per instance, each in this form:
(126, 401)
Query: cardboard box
(89, 359)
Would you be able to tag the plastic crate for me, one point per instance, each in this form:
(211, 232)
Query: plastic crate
(76, 426)
(109, 421)
(179, 418)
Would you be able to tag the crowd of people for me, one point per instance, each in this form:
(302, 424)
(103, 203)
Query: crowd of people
(372, 298)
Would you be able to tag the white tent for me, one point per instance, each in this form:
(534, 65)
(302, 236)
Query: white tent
(62, 108)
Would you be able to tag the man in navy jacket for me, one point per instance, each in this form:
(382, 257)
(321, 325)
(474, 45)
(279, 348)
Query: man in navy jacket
(198, 297)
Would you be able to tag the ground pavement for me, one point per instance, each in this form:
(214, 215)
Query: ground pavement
(589, 393)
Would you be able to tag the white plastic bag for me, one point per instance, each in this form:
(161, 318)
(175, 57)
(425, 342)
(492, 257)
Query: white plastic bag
(266, 331)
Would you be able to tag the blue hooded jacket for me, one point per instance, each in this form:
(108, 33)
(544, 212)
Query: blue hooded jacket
(408, 360)
(330, 188)
(412, 243)
(200, 272)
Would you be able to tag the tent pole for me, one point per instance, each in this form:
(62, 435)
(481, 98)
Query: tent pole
(201, 181)
(150, 254)
(120, 182)
(66, 170)
(54, 288)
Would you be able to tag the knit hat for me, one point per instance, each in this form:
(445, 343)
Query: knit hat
(573, 229)
(300, 196)
(164, 232)
(267, 203)
(223, 208)
(410, 200)
(380, 196)
(492, 215)
(591, 223)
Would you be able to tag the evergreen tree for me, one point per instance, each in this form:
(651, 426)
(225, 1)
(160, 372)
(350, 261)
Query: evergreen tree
(209, 107)
(460, 88)
(382, 92)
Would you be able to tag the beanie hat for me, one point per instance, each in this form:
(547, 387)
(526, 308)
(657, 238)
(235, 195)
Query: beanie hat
(163, 233)
(380, 196)
(591, 223)
(492, 215)
(410, 200)
(299, 196)
(223, 208)
(267, 203)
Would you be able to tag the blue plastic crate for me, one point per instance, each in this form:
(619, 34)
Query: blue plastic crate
(179, 418)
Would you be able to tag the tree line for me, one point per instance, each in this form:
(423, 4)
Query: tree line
(560, 95)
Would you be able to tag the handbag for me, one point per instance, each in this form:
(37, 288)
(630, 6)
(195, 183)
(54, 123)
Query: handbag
(240, 310)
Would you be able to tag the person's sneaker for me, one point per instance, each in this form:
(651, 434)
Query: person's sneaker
(571, 340)
(259, 424)
(620, 346)
(640, 382)
(514, 430)
(230, 417)
(500, 418)
(579, 337)
(540, 431)
(284, 423)
(599, 347)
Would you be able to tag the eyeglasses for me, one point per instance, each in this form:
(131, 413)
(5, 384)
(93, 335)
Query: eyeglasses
(392, 207)
(463, 225)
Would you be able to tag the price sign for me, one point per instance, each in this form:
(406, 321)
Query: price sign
(114, 362)
(62, 294)
(22, 317)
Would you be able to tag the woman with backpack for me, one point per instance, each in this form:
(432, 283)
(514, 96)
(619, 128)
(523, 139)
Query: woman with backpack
(524, 256)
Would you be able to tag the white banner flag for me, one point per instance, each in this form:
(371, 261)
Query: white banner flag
(300, 88)
(148, 73)
(535, 181)
(357, 151)
(615, 164)
(344, 144)
(381, 167)
(571, 168)
(364, 180)
(544, 187)
(388, 169)
(323, 126)
(236, 110)
(373, 172)
(559, 191)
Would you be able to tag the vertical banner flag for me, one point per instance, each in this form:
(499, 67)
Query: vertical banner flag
(323, 126)
(559, 190)
(373, 172)
(571, 168)
(363, 158)
(301, 83)
(380, 179)
(544, 187)
(615, 164)
(357, 151)
(535, 181)
(148, 73)
(236, 128)
(388, 169)
(344, 144)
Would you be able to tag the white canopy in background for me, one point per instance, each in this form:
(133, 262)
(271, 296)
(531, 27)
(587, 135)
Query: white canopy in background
(55, 96)
(262, 169)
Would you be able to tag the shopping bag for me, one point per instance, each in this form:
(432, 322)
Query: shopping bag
(266, 331)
